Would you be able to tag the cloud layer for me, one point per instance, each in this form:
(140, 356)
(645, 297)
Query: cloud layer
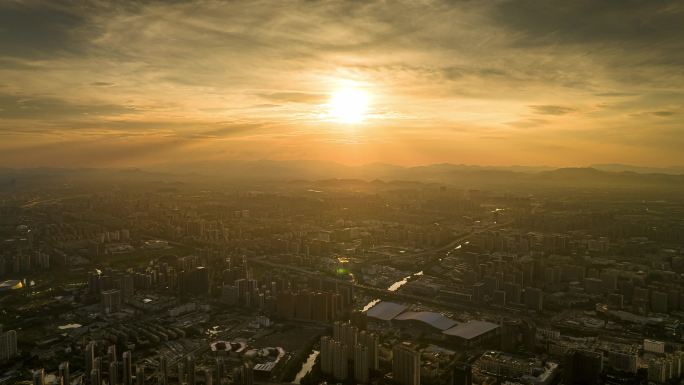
(494, 82)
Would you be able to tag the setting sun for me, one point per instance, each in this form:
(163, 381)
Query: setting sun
(349, 105)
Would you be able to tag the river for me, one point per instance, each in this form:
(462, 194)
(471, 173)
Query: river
(69, 326)
(396, 285)
(306, 367)
(309, 363)
(393, 287)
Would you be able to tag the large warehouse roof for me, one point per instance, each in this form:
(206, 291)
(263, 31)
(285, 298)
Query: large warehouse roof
(386, 310)
(471, 329)
(436, 320)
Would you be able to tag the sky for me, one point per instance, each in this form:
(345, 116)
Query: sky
(147, 83)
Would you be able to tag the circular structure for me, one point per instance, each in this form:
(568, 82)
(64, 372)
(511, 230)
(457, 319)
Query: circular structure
(228, 346)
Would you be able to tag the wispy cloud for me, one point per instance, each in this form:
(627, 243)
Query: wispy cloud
(256, 74)
(551, 110)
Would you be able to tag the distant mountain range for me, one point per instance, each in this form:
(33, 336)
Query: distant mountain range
(639, 169)
(267, 171)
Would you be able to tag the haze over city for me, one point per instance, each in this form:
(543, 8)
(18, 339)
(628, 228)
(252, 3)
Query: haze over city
(315, 192)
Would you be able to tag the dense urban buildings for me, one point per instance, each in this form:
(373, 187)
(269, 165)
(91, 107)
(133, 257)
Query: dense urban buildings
(340, 281)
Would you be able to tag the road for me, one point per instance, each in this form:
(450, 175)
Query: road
(383, 293)
(461, 238)
(376, 291)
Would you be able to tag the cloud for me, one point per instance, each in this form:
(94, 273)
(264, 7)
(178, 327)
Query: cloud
(98, 152)
(443, 71)
(616, 94)
(663, 113)
(233, 129)
(591, 22)
(528, 123)
(551, 110)
(40, 30)
(14, 106)
(296, 97)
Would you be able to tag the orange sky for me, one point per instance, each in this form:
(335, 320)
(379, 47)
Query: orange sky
(492, 83)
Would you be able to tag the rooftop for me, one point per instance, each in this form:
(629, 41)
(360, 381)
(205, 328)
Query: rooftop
(385, 311)
(436, 320)
(471, 329)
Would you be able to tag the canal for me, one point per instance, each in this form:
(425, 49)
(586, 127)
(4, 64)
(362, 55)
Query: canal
(306, 367)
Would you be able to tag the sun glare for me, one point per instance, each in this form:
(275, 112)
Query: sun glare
(349, 105)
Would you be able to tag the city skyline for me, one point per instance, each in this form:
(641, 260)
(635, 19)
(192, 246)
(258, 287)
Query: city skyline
(313, 192)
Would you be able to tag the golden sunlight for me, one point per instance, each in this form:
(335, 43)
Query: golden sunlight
(349, 105)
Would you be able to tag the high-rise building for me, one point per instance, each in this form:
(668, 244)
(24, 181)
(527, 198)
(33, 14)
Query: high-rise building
(110, 300)
(64, 373)
(361, 364)
(163, 374)
(181, 373)
(39, 377)
(405, 365)
(499, 297)
(286, 304)
(89, 357)
(347, 344)
(220, 370)
(347, 335)
(113, 373)
(335, 305)
(229, 295)
(95, 377)
(463, 374)
(582, 367)
(8, 345)
(513, 292)
(243, 375)
(370, 341)
(320, 307)
(534, 298)
(340, 361)
(327, 355)
(303, 305)
(359, 319)
(194, 281)
(97, 364)
(616, 301)
(623, 361)
(346, 290)
(654, 346)
(658, 371)
(237, 376)
(247, 375)
(337, 330)
(659, 302)
(111, 353)
(190, 369)
(242, 289)
(208, 377)
(127, 287)
(140, 374)
(349, 339)
(127, 368)
(479, 292)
